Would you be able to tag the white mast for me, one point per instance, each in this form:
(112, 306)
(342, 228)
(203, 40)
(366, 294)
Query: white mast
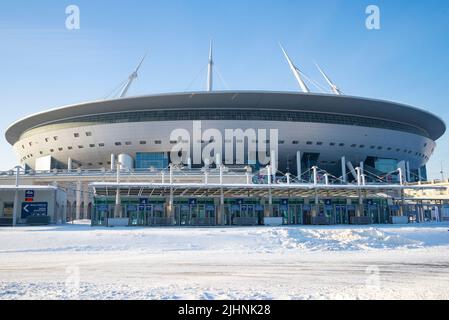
(296, 72)
(333, 86)
(131, 79)
(210, 70)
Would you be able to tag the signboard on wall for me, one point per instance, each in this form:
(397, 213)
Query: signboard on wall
(34, 209)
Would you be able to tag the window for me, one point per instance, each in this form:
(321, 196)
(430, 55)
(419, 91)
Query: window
(173, 142)
(295, 142)
(101, 145)
(41, 152)
(143, 142)
(353, 145)
(76, 135)
(281, 141)
(319, 143)
(23, 147)
(341, 145)
(118, 144)
(70, 148)
(92, 145)
(309, 143)
(80, 147)
(60, 149)
(46, 139)
(100, 163)
(128, 143)
(88, 134)
(55, 138)
(361, 146)
(158, 142)
(379, 148)
(247, 115)
(332, 144)
(52, 150)
(31, 144)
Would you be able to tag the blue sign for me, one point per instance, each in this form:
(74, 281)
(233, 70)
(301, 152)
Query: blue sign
(306, 207)
(132, 207)
(144, 201)
(284, 202)
(29, 194)
(102, 207)
(239, 201)
(328, 202)
(193, 202)
(34, 209)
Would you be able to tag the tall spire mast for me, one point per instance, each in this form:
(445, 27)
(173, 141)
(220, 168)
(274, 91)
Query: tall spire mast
(131, 78)
(296, 72)
(333, 86)
(210, 70)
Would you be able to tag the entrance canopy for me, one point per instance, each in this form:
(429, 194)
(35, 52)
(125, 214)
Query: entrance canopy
(249, 190)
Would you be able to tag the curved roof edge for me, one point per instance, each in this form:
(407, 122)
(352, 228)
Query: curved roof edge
(325, 103)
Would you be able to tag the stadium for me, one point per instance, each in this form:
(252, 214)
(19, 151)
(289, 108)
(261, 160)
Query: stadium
(363, 148)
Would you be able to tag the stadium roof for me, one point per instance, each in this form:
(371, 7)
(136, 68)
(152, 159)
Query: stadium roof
(255, 100)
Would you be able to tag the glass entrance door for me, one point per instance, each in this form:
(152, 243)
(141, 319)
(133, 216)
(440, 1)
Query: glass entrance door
(341, 214)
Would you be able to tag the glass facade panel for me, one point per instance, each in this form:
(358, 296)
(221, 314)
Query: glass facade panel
(147, 160)
(386, 165)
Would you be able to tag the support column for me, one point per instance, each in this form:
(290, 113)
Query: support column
(269, 210)
(189, 163)
(407, 167)
(78, 200)
(273, 161)
(113, 165)
(86, 201)
(69, 164)
(343, 169)
(15, 213)
(298, 165)
(170, 208)
(220, 213)
(118, 212)
(118, 205)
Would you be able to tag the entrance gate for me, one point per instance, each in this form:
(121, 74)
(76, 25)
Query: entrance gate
(193, 214)
(243, 214)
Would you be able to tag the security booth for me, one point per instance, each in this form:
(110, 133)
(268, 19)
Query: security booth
(32, 205)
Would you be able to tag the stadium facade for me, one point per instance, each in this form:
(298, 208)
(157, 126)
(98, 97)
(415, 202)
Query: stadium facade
(335, 158)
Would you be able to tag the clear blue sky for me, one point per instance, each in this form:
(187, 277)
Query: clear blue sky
(44, 65)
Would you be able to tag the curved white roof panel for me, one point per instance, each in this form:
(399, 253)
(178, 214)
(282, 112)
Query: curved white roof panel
(249, 100)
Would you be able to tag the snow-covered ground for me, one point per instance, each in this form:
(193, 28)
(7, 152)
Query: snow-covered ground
(338, 262)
